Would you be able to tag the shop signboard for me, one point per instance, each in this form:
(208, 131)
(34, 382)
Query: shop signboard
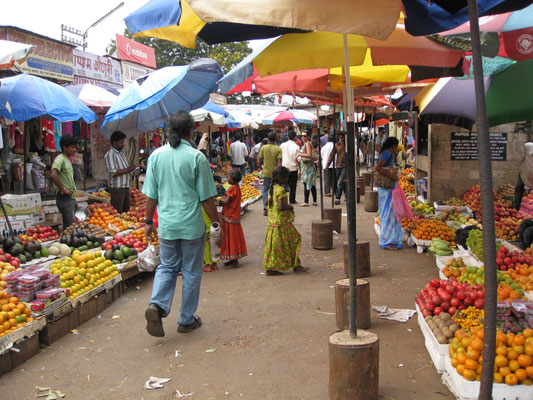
(80, 80)
(48, 58)
(131, 71)
(95, 67)
(136, 52)
(464, 146)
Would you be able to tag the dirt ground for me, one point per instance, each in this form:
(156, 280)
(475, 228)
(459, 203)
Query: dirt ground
(267, 336)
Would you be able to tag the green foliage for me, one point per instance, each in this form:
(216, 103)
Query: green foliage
(169, 53)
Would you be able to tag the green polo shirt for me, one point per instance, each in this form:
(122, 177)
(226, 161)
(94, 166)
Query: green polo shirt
(65, 172)
(270, 154)
(179, 179)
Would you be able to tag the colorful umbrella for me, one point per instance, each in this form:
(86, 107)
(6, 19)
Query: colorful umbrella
(13, 51)
(23, 97)
(298, 116)
(314, 50)
(508, 96)
(375, 18)
(147, 105)
(513, 29)
(174, 20)
(313, 80)
(92, 95)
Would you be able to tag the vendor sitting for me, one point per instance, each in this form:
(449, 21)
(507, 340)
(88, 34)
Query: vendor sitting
(525, 178)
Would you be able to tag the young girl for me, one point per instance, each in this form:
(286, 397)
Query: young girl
(234, 245)
(282, 242)
(209, 264)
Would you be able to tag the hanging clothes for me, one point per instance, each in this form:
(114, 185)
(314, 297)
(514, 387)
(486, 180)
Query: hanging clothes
(67, 128)
(76, 130)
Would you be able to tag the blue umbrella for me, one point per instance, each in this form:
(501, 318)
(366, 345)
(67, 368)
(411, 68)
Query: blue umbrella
(147, 105)
(176, 21)
(24, 97)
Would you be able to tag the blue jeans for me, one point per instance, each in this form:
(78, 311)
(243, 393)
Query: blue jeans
(266, 186)
(340, 183)
(178, 255)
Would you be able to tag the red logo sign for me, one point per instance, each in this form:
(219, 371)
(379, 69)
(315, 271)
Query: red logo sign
(519, 44)
(131, 50)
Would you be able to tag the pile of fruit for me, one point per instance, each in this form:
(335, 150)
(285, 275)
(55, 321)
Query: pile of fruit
(472, 198)
(469, 317)
(519, 266)
(120, 243)
(137, 198)
(442, 326)
(105, 216)
(59, 249)
(454, 215)
(449, 296)
(507, 190)
(80, 240)
(139, 235)
(410, 224)
(14, 248)
(104, 194)
(249, 192)
(84, 226)
(13, 315)
(248, 179)
(453, 201)
(132, 219)
(421, 208)
(513, 363)
(475, 243)
(428, 229)
(39, 233)
(526, 206)
(82, 273)
(454, 267)
(407, 181)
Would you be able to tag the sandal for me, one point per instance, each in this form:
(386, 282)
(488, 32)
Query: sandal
(300, 270)
(304, 205)
(270, 272)
(207, 268)
(187, 328)
(265, 212)
(315, 204)
(214, 267)
(392, 248)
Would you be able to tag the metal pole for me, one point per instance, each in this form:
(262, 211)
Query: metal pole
(25, 156)
(350, 168)
(371, 154)
(487, 208)
(320, 168)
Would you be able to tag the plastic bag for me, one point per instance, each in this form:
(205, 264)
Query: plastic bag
(148, 260)
(401, 206)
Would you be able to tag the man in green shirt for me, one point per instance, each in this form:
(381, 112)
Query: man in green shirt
(179, 182)
(269, 158)
(63, 177)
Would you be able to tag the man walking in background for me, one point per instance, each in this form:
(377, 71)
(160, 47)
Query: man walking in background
(118, 173)
(269, 158)
(327, 169)
(238, 153)
(289, 152)
(179, 183)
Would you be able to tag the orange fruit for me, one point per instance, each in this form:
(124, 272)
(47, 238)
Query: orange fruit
(461, 359)
(460, 369)
(529, 371)
(498, 378)
(519, 340)
(476, 343)
(13, 300)
(525, 360)
(504, 371)
(513, 365)
(521, 374)
(472, 364)
(512, 354)
(469, 374)
(472, 355)
(527, 333)
(501, 350)
(519, 349)
(13, 322)
(511, 380)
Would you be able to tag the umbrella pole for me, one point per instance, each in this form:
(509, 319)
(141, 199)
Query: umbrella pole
(487, 209)
(351, 210)
(320, 168)
(24, 179)
(370, 154)
(357, 147)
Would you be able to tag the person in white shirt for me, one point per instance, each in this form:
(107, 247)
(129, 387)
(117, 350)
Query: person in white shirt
(289, 154)
(252, 157)
(328, 172)
(238, 153)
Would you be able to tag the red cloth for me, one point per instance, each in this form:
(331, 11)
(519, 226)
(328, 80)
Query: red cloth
(234, 245)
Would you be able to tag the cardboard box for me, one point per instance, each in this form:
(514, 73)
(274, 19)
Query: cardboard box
(39, 218)
(22, 204)
(19, 223)
(51, 209)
